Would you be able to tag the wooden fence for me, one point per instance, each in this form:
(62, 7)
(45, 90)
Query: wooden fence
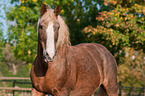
(130, 90)
(16, 89)
(11, 91)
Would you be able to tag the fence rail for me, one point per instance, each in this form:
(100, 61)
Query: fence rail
(13, 78)
(123, 90)
(15, 89)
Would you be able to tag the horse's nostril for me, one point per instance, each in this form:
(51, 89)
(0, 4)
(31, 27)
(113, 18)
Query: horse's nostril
(47, 54)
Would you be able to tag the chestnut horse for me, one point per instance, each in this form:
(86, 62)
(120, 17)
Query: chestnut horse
(64, 70)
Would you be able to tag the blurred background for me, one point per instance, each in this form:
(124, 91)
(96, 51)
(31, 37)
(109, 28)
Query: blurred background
(119, 25)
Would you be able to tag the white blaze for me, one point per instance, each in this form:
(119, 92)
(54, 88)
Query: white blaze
(50, 47)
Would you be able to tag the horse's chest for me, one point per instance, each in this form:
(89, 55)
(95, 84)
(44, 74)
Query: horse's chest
(38, 82)
(52, 79)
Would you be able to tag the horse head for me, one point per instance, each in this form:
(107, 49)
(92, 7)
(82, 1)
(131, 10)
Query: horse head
(48, 29)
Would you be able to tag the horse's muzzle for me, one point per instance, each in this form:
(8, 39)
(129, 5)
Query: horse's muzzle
(47, 58)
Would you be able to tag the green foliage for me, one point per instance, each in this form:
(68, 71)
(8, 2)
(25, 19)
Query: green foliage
(23, 34)
(123, 26)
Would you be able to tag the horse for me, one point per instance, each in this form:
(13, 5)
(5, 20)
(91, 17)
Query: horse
(61, 69)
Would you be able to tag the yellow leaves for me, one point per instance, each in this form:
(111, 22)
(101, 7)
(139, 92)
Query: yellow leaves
(139, 8)
(22, 1)
(131, 15)
(45, 3)
(16, 16)
(62, 11)
(35, 55)
(124, 14)
(105, 3)
(95, 29)
(91, 30)
(115, 2)
(23, 8)
(34, 1)
(87, 29)
(11, 12)
(111, 13)
(125, 18)
(78, 20)
(115, 11)
(29, 52)
(100, 18)
(124, 9)
(144, 10)
(94, 32)
(20, 52)
(121, 18)
(113, 43)
(142, 18)
(136, 5)
(140, 11)
(29, 65)
(117, 25)
(117, 15)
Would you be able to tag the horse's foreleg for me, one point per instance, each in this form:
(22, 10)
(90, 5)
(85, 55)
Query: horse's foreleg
(37, 93)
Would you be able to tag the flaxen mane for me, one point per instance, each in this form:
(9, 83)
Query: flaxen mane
(63, 37)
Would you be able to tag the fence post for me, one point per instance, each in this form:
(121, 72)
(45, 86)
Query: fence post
(144, 90)
(120, 87)
(14, 86)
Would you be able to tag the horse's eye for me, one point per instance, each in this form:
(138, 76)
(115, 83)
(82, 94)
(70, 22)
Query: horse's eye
(41, 27)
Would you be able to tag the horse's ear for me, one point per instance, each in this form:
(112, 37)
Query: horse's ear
(57, 10)
(43, 9)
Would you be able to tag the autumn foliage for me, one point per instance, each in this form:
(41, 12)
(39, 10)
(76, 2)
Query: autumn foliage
(122, 26)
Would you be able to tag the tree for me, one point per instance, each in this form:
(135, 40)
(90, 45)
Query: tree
(1, 36)
(122, 26)
(10, 66)
(10, 59)
(23, 35)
